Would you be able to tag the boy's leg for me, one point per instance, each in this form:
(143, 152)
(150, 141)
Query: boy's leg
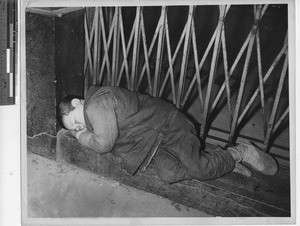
(183, 143)
(168, 167)
(185, 146)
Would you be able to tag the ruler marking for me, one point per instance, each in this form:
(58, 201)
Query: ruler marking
(11, 83)
(3, 43)
(9, 19)
(7, 60)
(8, 48)
(11, 36)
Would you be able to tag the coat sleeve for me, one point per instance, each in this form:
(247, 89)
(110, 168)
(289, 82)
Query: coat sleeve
(102, 118)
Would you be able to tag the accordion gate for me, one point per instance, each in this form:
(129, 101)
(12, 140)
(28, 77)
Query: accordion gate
(118, 54)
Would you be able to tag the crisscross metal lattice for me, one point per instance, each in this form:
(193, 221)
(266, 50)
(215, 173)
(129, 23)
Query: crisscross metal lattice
(121, 53)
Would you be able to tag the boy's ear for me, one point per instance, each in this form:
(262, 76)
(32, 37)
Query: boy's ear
(75, 102)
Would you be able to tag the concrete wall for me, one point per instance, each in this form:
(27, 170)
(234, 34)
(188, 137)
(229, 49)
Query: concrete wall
(54, 67)
(40, 74)
(69, 54)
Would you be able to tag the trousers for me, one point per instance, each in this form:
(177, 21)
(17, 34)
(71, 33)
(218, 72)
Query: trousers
(179, 156)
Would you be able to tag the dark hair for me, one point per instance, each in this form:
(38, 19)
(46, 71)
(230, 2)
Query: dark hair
(65, 105)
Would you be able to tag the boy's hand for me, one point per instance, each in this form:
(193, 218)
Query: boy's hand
(76, 134)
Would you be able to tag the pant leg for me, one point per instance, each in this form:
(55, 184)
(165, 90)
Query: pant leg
(184, 146)
(168, 167)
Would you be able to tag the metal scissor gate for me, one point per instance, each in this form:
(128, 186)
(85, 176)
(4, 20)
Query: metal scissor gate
(219, 58)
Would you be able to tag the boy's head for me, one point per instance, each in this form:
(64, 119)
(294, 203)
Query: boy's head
(71, 112)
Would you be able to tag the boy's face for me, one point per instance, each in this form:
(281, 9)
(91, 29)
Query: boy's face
(75, 119)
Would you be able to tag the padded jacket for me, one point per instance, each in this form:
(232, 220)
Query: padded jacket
(127, 124)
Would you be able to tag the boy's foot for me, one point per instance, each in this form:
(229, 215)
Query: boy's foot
(241, 169)
(257, 159)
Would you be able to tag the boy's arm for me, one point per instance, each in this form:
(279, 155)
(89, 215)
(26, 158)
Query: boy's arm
(102, 118)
